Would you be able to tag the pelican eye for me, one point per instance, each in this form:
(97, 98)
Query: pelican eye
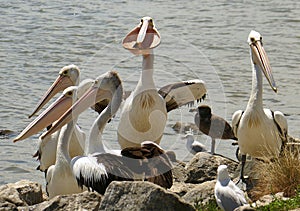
(252, 39)
(151, 21)
(142, 20)
(70, 93)
(65, 72)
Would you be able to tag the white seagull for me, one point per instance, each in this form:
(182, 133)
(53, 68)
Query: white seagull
(261, 133)
(227, 194)
(192, 145)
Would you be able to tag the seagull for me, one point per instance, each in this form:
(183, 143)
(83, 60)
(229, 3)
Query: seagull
(192, 145)
(227, 194)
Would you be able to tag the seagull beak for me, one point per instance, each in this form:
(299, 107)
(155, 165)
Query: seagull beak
(61, 83)
(51, 114)
(260, 58)
(89, 98)
(142, 38)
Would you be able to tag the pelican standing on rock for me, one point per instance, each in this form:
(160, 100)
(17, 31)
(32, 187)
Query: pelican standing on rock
(144, 113)
(212, 125)
(261, 132)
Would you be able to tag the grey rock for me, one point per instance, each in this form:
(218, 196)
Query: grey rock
(203, 167)
(141, 196)
(201, 193)
(179, 172)
(183, 127)
(181, 188)
(22, 193)
(81, 201)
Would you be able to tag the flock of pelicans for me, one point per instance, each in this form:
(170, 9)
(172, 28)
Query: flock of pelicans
(73, 162)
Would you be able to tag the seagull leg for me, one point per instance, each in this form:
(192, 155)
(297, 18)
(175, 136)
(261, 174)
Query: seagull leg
(213, 145)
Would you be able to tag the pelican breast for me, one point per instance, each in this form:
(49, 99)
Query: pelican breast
(146, 117)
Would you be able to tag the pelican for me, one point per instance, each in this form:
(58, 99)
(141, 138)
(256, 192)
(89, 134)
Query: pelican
(59, 177)
(144, 114)
(99, 167)
(212, 125)
(227, 194)
(46, 153)
(192, 145)
(261, 132)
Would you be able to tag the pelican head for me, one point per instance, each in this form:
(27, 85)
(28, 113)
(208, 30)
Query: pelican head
(259, 57)
(55, 110)
(51, 114)
(142, 38)
(68, 76)
(106, 86)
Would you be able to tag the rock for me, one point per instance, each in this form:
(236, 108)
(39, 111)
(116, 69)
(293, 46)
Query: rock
(179, 172)
(203, 167)
(183, 127)
(203, 192)
(140, 195)
(181, 188)
(80, 201)
(22, 193)
(5, 132)
(7, 205)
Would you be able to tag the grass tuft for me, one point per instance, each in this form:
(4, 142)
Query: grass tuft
(282, 174)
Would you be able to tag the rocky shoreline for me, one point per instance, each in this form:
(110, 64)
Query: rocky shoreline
(193, 183)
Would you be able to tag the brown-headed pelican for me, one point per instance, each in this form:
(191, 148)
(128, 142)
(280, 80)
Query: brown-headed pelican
(46, 154)
(227, 194)
(261, 132)
(99, 167)
(144, 113)
(212, 125)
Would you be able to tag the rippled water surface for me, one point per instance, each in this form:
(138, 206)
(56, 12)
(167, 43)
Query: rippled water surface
(200, 39)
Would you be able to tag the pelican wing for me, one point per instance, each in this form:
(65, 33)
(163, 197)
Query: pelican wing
(236, 118)
(183, 93)
(97, 171)
(282, 124)
(151, 161)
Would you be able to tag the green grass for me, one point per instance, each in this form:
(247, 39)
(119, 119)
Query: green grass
(282, 205)
(210, 206)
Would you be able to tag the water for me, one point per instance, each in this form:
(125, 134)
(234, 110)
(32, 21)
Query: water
(205, 40)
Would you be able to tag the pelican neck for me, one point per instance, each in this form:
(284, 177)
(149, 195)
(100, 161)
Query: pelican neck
(257, 91)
